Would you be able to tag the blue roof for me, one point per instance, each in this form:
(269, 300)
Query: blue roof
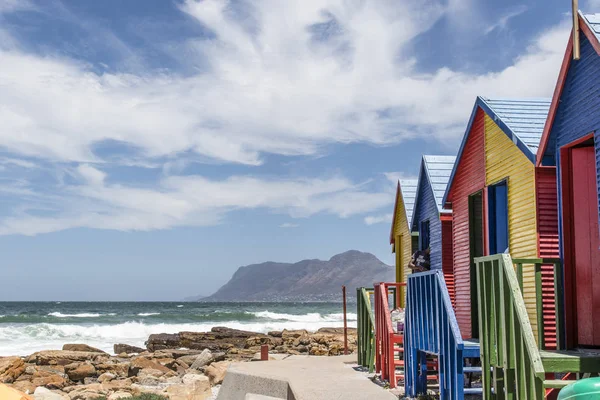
(438, 170)
(522, 120)
(408, 187)
(593, 20)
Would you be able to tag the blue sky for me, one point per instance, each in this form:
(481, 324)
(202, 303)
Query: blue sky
(150, 147)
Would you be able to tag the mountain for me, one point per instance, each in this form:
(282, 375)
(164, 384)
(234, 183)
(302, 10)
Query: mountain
(307, 280)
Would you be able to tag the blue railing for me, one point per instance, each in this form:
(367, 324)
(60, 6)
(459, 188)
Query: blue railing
(431, 328)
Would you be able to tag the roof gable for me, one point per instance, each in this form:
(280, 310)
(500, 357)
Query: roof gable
(435, 172)
(522, 120)
(407, 190)
(590, 28)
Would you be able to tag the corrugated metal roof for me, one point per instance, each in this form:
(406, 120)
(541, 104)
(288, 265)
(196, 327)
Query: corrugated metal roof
(408, 187)
(593, 21)
(524, 117)
(438, 170)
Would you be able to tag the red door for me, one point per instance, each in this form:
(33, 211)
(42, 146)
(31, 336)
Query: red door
(585, 246)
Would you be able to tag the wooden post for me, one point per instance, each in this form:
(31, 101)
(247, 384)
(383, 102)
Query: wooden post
(345, 322)
(264, 352)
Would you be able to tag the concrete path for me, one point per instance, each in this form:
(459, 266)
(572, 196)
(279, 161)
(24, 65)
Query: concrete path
(301, 378)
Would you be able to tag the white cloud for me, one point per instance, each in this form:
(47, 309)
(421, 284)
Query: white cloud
(288, 225)
(275, 89)
(377, 219)
(184, 201)
(396, 176)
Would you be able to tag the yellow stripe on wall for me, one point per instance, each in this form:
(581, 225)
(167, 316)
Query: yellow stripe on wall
(403, 246)
(504, 160)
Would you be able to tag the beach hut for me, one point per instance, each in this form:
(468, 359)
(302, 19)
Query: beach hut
(403, 241)
(430, 221)
(571, 142)
(494, 191)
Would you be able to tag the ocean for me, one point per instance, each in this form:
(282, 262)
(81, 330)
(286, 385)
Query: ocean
(27, 327)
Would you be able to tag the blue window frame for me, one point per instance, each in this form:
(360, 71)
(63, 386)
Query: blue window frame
(424, 235)
(498, 217)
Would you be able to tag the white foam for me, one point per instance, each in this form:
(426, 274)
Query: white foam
(147, 314)
(179, 306)
(80, 315)
(310, 317)
(24, 339)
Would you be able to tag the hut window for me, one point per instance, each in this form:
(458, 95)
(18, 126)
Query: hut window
(424, 235)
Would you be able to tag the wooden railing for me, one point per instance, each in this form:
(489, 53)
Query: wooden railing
(507, 342)
(431, 328)
(385, 337)
(365, 328)
(538, 264)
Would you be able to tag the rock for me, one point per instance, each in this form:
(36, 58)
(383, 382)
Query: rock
(276, 334)
(140, 363)
(24, 386)
(82, 347)
(257, 341)
(150, 372)
(10, 369)
(219, 338)
(118, 369)
(49, 380)
(119, 395)
(194, 387)
(106, 377)
(117, 384)
(175, 353)
(78, 372)
(46, 394)
(148, 380)
(64, 357)
(216, 372)
(318, 350)
(202, 359)
(86, 395)
(126, 348)
(293, 333)
(90, 380)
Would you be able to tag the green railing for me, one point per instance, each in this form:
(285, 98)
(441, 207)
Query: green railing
(366, 328)
(558, 296)
(510, 359)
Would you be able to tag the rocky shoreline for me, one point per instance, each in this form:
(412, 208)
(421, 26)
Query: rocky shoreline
(182, 366)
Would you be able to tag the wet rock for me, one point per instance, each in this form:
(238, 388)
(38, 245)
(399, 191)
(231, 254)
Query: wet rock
(127, 349)
(276, 334)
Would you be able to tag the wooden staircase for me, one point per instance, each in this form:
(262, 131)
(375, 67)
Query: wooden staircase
(513, 366)
(431, 330)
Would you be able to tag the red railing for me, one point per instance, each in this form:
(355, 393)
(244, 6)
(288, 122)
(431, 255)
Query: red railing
(385, 337)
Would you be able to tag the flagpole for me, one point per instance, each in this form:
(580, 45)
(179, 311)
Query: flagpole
(575, 29)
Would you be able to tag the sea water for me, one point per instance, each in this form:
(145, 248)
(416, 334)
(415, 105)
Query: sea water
(26, 327)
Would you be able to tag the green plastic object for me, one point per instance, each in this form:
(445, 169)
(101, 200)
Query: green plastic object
(584, 389)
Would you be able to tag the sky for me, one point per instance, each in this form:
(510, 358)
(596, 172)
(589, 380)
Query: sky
(148, 148)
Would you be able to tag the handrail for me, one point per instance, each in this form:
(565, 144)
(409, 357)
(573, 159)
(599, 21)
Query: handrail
(431, 327)
(558, 295)
(385, 337)
(365, 328)
(506, 337)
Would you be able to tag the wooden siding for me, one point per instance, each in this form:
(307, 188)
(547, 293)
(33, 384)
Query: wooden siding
(548, 247)
(426, 209)
(447, 259)
(402, 245)
(468, 179)
(504, 160)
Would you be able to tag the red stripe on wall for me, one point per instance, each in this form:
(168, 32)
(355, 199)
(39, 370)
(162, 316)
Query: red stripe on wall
(468, 179)
(547, 221)
(448, 259)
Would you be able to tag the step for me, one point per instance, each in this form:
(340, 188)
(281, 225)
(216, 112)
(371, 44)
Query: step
(475, 370)
(570, 360)
(473, 391)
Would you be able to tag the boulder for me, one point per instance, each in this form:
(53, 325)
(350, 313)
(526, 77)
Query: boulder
(11, 368)
(49, 380)
(86, 395)
(318, 350)
(216, 372)
(276, 334)
(285, 334)
(7, 393)
(127, 349)
(82, 347)
(64, 357)
(194, 387)
(106, 377)
(140, 363)
(118, 369)
(202, 359)
(24, 386)
(46, 394)
(78, 372)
